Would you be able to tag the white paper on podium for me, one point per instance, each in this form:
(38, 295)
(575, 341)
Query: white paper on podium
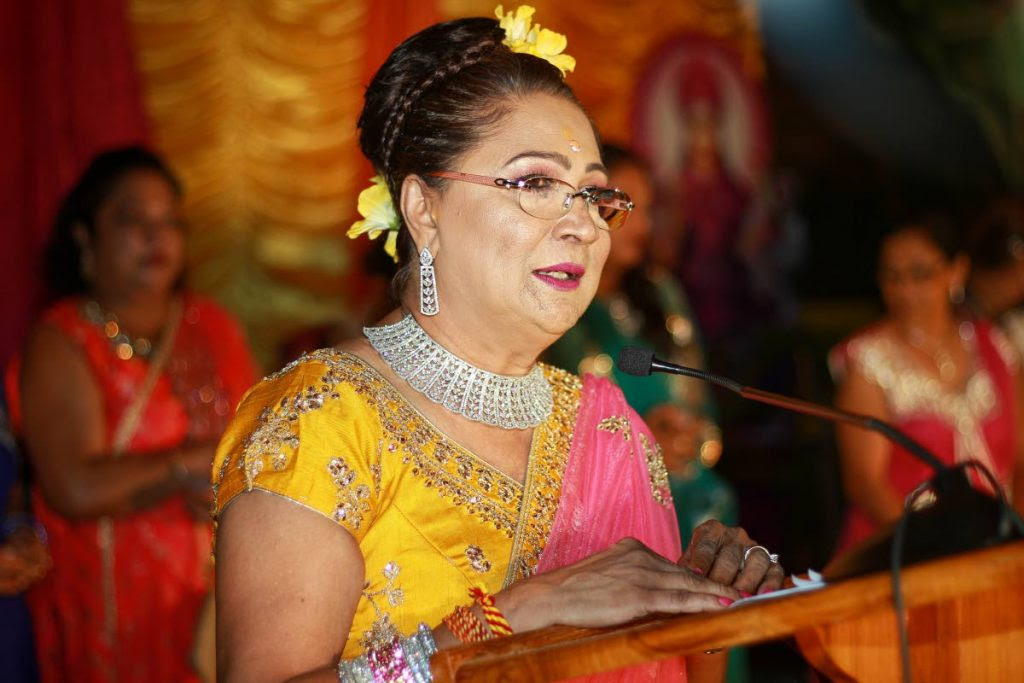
(814, 581)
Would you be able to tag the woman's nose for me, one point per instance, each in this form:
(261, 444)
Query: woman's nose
(579, 222)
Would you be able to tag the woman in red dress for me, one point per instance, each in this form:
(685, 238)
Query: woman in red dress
(951, 383)
(122, 392)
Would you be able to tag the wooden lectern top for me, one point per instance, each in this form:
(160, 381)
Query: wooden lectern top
(990, 581)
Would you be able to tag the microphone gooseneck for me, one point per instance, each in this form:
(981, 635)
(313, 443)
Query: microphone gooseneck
(641, 362)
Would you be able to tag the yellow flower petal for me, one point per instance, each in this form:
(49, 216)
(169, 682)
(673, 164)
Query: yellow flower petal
(378, 212)
(390, 245)
(522, 36)
(563, 63)
(551, 43)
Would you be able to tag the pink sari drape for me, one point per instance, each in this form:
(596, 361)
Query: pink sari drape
(608, 495)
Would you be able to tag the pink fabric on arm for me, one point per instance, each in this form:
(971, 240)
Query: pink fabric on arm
(608, 495)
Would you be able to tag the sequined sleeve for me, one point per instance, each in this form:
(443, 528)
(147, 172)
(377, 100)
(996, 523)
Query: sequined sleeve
(307, 435)
(869, 353)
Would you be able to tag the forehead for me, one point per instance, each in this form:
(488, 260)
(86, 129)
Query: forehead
(539, 122)
(139, 182)
(910, 245)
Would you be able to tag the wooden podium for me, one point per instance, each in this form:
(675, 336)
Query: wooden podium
(965, 623)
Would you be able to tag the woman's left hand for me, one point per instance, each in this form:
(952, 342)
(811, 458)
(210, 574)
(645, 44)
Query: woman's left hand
(729, 556)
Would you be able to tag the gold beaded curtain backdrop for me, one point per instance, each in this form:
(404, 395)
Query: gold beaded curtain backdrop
(255, 104)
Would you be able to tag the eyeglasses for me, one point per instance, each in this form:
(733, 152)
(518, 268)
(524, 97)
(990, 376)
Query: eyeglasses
(551, 198)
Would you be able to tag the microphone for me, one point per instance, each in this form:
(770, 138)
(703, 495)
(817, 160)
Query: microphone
(641, 362)
(962, 518)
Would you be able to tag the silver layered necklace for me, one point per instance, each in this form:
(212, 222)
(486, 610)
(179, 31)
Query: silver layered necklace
(464, 389)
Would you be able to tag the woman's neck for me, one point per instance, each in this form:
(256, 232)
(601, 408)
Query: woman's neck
(140, 313)
(482, 344)
(933, 327)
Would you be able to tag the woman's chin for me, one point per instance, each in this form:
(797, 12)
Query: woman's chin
(560, 318)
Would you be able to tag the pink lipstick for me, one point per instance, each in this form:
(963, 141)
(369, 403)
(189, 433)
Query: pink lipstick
(562, 276)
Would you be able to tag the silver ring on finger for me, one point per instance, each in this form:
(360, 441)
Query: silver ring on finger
(772, 557)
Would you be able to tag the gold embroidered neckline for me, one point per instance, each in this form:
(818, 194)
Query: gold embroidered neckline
(440, 434)
(522, 512)
(910, 389)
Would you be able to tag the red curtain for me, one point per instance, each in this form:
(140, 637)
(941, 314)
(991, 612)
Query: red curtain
(69, 89)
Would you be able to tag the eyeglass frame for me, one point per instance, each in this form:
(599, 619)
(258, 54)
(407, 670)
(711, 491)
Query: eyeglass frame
(585, 192)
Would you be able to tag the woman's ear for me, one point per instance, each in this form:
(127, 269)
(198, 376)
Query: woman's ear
(417, 206)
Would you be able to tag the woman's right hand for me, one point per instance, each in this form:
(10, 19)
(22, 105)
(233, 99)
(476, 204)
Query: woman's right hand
(625, 582)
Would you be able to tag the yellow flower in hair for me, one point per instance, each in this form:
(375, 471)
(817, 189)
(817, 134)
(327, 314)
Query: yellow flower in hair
(378, 214)
(521, 36)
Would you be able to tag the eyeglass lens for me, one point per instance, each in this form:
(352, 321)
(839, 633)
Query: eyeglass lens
(552, 198)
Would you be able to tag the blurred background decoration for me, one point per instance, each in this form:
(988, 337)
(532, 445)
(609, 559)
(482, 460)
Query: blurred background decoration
(255, 103)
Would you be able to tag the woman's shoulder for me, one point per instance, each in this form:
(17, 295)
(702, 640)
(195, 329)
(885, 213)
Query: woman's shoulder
(67, 314)
(316, 381)
(865, 350)
(302, 430)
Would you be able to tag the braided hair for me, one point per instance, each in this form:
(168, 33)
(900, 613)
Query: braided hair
(437, 94)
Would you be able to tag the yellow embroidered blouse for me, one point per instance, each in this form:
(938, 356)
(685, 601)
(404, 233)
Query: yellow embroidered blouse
(432, 519)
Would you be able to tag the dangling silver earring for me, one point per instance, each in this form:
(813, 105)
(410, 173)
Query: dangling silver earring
(428, 285)
(85, 266)
(956, 294)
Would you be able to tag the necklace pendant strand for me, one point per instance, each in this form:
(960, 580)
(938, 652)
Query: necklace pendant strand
(462, 388)
(125, 346)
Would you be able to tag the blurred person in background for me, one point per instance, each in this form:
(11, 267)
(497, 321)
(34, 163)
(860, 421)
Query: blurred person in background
(996, 287)
(716, 207)
(951, 383)
(120, 396)
(23, 561)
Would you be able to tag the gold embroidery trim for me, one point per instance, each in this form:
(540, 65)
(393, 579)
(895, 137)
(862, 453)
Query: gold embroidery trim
(477, 560)
(353, 499)
(616, 424)
(656, 470)
(383, 630)
(550, 448)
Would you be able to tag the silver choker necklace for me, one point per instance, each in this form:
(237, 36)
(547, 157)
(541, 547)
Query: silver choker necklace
(464, 389)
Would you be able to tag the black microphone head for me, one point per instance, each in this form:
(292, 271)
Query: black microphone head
(636, 361)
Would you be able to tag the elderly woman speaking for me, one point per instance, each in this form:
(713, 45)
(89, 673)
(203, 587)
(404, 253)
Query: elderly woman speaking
(431, 483)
